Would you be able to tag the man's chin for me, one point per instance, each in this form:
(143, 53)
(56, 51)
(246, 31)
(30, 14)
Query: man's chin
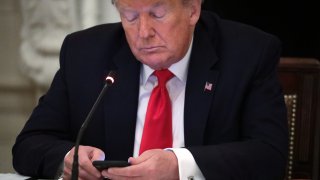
(156, 65)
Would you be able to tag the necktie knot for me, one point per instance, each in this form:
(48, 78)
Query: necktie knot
(163, 76)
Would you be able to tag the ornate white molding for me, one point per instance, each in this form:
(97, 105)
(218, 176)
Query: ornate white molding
(95, 12)
(46, 23)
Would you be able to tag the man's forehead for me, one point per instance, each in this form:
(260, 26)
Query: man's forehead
(142, 5)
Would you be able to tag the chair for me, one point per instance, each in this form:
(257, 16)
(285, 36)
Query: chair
(300, 79)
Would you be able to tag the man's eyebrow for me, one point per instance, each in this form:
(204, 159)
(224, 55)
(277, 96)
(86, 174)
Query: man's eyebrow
(125, 9)
(128, 9)
(160, 4)
(157, 4)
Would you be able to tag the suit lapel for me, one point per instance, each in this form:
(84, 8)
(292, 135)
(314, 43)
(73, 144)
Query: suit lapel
(122, 98)
(121, 106)
(201, 84)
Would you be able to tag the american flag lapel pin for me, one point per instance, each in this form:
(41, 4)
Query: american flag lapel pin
(208, 87)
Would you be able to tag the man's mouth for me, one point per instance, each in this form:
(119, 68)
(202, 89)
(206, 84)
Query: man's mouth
(150, 49)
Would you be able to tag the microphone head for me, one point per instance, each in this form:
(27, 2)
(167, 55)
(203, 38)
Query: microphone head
(110, 79)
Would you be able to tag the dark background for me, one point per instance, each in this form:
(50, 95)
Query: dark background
(295, 23)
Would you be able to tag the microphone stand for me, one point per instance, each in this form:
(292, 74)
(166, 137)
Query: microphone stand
(75, 166)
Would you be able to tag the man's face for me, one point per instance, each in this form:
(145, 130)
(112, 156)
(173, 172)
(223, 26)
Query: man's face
(158, 31)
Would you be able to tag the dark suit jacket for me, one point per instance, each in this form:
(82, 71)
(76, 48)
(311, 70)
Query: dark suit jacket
(238, 130)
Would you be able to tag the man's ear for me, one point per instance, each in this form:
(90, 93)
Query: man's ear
(195, 10)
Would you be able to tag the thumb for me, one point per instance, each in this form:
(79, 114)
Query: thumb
(133, 160)
(143, 157)
(97, 154)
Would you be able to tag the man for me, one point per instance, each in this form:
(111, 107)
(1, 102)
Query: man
(228, 114)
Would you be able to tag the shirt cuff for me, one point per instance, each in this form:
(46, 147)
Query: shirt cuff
(59, 174)
(188, 168)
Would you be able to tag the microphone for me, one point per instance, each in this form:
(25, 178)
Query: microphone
(110, 79)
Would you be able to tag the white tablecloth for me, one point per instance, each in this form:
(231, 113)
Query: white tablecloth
(12, 177)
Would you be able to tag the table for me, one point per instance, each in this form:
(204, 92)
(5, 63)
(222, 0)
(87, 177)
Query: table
(10, 176)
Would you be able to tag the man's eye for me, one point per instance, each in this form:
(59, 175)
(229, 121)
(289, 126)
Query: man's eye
(130, 16)
(157, 15)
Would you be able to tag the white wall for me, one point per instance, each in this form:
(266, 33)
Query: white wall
(18, 93)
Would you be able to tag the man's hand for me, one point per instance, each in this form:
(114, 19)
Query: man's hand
(152, 164)
(87, 154)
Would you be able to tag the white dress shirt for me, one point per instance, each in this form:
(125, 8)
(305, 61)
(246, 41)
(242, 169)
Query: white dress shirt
(188, 169)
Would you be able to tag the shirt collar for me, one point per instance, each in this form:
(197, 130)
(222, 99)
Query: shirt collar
(179, 69)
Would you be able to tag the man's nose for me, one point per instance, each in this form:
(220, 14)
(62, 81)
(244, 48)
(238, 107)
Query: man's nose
(146, 28)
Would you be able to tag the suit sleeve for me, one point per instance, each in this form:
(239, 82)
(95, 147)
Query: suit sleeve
(261, 150)
(42, 144)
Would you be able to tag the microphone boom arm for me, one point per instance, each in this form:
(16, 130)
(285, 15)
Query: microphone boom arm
(75, 166)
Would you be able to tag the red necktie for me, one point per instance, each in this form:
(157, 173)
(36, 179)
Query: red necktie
(157, 131)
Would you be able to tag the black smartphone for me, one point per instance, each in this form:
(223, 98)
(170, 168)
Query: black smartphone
(101, 165)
